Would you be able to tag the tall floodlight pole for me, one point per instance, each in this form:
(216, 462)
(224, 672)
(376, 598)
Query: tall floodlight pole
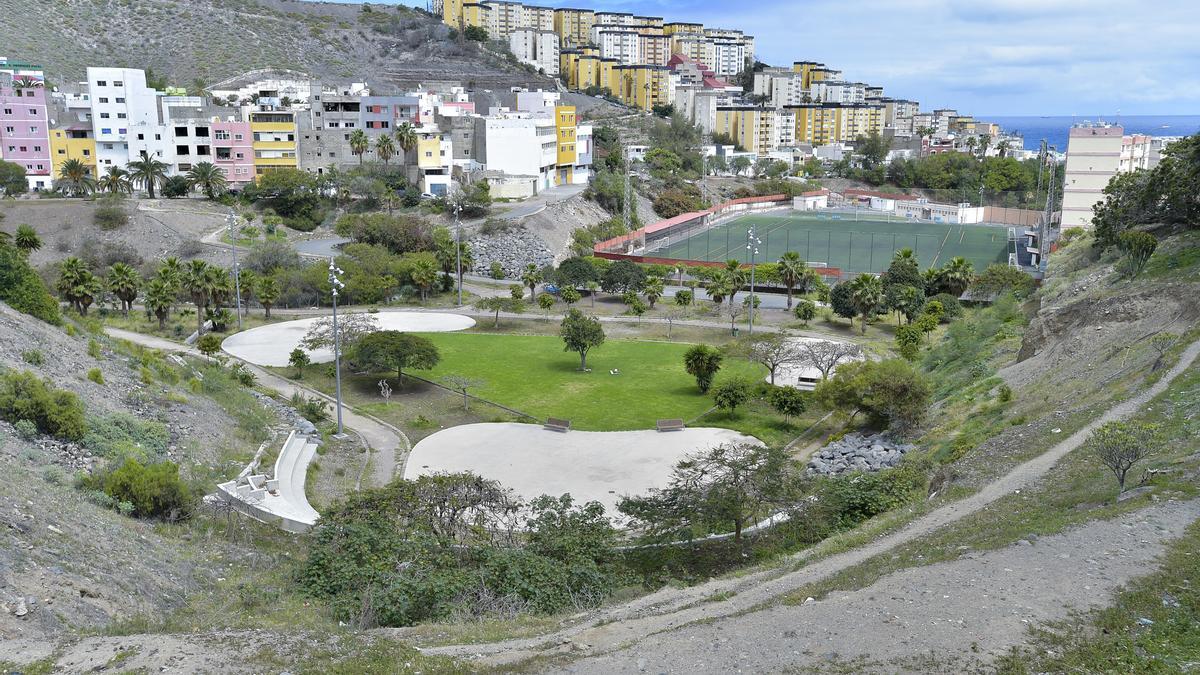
(458, 249)
(334, 285)
(1044, 232)
(752, 243)
(237, 277)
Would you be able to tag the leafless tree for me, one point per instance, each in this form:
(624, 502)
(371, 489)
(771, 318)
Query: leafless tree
(672, 316)
(825, 355)
(461, 384)
(772, 350)
(351, 326)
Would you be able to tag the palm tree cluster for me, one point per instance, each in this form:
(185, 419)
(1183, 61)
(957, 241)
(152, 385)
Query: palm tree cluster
(403, 138)
(145, 172)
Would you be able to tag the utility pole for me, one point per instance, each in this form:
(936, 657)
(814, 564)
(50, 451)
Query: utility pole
(458, 249)
(334, 285)
(1041, 167)
(1044, 233)
(237, 278)
(752, 243)
(627, 199)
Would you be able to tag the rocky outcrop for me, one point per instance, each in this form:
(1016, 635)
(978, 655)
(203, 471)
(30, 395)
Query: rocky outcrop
(513, 249)
(857, 452)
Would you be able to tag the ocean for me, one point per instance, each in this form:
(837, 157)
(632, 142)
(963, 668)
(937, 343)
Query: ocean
(1054, 129)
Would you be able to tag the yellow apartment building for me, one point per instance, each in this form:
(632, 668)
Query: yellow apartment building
(72, 143)
(566, 129)
(574, 26)
(274, 134)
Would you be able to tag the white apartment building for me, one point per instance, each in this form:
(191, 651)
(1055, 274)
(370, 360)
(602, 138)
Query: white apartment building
(623, 45)
(1140, 151)
(519, 144)
(839, 92)
(615, 19)
(126, 118)
(729, 57)
(297, 87)
(538, 48)
(1093, 158)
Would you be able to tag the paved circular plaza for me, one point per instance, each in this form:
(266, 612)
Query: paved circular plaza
(597, 466)
(270, 345)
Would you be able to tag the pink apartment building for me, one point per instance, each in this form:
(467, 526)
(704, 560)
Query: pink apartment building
(25, 131)
(233, 151)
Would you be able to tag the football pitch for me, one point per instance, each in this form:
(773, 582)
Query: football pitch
(838, 240)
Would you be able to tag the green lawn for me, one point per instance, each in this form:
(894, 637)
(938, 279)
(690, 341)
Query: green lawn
(534, 375)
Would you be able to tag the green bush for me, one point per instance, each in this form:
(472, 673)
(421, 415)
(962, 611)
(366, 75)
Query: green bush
(312, 409)
(859, 496)
(23, 289)
(93, 348)
(26, 429)
(154, 490)
(33, 357)
(110, 217)
(57, 412)
(123, 435)
(95, 375)
(209, 344)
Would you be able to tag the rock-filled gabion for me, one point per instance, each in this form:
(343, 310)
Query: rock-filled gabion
(856, 452)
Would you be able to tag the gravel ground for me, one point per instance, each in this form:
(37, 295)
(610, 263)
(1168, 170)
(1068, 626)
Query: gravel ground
(976, 606)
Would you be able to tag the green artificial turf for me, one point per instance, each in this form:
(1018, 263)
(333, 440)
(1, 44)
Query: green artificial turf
(534, 375)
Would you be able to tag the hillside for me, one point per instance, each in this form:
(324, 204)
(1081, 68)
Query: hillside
(391, 47)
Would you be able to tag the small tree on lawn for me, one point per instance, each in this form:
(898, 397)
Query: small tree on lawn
(702, 362)
(672, 316)
(1120, 445)
(805, 311)
(545, 301)
(637, 308)
(531, 277)
(580, 334)
(299, 359)
(461, 384)
(209, 344)
(570, 296)
(516, 292)
(825, 355)
(771, 350)
(730, 394)
(394, 350)
(496, 305)
(908, 341)
(788, 401)
(653, 290)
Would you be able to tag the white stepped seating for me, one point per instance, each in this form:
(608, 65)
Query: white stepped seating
(280, 500)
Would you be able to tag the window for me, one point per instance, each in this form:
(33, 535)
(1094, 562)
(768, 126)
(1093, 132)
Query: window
(223, 153)
(33, 111)
(122, 131)
(118, 83)
(106, 130)
(87, 153)
(237, 137)
(201, 132)
(8, 111)
(202, 150)
(221, 135)
(141, 137)
(334, 125)
(182, 150)
(104, 116)
(158, 137)
(37, 148)
(240, 155)
(41, 167)
(24, 148)
(62, 152)
(121, 116)
(348, 125)
(120, 99)
(103, 99)
(181, 131)
(108, 146)
(101, 83)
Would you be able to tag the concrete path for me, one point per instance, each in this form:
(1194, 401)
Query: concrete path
(669, 609)
(388, 443)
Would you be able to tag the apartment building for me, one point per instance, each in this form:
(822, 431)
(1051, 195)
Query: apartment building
(729, 57)
(538, 48)
(837, 91)
(291, 85)
(574, 26)
(126, 118)
(1140, 151)
(274, 136)
(756, 129)
(25, 126)
(617, 43)
(573, 154)
(1093, 158)
(72, 142)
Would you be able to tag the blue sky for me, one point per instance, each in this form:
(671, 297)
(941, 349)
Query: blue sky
(1000, 57)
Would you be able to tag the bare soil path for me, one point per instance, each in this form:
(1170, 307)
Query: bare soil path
(669, 609)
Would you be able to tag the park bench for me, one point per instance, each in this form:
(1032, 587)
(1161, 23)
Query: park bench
(556, 424)
(670, 425)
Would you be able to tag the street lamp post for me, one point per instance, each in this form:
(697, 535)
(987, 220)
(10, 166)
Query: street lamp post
(334, 284)
(237, 277)
(458, 250)
(752, 243)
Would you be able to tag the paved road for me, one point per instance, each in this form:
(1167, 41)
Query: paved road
(540, 201)
(624, 626)
(384, 439)
(321, 248)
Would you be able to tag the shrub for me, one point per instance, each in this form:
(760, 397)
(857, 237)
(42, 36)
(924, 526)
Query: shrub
(95, 375)
(805, 311)
(23, 289)
(93, 348)
(243, 375)
(859, 496)
(312, 409)
(110, 217)
(57, 412)
(123, 435)
(730, 394)
(209, 344)
(153, 491)
(497, 270)
(26, 429)
(33, 357)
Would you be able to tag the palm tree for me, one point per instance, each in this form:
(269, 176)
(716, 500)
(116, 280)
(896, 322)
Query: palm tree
(1002, 148)
(77, 285)
(171, 273)
(219, 287)
(956, 275)
(971, 142)
(247, 283)
(424, 275)
(147, 172)
(116, 181)
(26, 82)
(791, 271)
(124, 282)
(208, 178)
(866, 292)
(385, 148)
(984, 142)
(531, 277)
(359, 144)
(735, 278)
(268, 292)
(200, 88)
(905, 254)
(194, 280)
(27, 240)
(160, 296)
(75, 178)
(653, 290)
(406, 137)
